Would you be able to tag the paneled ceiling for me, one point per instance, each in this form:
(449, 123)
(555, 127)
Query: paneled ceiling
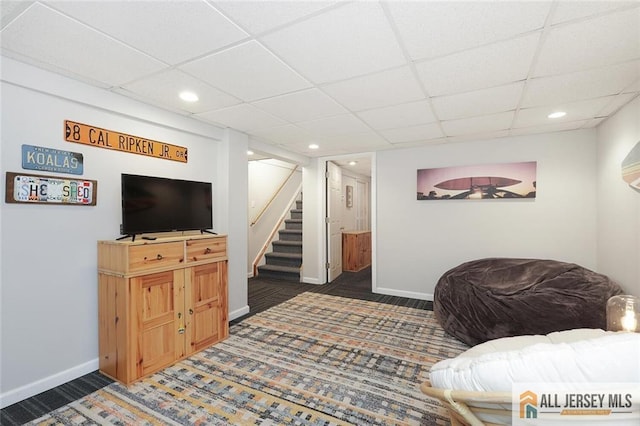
(348, 76)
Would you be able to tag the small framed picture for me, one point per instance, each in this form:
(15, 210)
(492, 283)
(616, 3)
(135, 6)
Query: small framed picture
(349, 196)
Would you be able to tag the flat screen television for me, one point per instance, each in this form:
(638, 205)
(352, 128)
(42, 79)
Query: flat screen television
(158, 204)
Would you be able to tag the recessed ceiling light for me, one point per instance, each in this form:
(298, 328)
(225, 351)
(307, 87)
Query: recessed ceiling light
(188, 96)
(314, 146)
(249, 152)
(353, 163)
(557, 114)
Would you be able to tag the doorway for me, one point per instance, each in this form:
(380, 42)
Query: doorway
(348, 195)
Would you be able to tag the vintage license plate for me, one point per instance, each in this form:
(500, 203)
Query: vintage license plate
(52, 190)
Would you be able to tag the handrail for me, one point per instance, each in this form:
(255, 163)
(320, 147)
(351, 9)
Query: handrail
(273, 197)
(265, 246)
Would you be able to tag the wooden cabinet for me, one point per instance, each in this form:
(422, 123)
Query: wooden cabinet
(356, 250)
(159, 301)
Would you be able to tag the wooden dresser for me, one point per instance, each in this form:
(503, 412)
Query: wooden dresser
(159, 301)
(356, 250)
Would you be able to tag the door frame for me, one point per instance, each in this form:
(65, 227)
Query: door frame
(322, 167)
(333, 227)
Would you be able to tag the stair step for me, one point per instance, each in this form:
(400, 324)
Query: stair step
(293, 223)
(279, 272)
(290, 234)
(296, 213)
(299, 204)
(284, 259)
(287, 246)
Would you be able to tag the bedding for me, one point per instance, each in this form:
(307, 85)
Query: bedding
(572, 356)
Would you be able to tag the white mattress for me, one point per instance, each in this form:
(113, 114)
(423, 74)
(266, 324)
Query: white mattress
(573, 356)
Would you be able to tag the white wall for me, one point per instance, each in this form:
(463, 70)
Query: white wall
(618, 203)
(232, 202)
(417, 241)
(49, 327)
(314, 252)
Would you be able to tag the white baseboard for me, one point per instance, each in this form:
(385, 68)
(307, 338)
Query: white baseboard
(309, 280)
(39, 386)
(238, 313)
(402, 293)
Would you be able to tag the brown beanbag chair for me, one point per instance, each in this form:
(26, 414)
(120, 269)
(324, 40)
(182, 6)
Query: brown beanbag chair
(491, 298)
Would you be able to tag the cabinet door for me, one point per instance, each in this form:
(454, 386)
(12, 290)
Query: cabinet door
(157, 302)
(365, 250)
(206, 295)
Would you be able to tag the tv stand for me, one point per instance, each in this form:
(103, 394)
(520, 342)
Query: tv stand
(206, 231)
(160, 302)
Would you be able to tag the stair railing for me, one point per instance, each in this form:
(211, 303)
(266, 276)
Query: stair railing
(274, 231)
(273, 197)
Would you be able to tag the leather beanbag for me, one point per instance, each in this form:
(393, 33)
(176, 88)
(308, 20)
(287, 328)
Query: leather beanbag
(491, 298)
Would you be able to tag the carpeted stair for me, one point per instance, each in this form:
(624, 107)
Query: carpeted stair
(284, 262)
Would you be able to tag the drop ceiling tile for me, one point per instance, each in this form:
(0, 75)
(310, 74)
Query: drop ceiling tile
(633, 87)
(409, 114)
(56, 41)
(165, 86)
(478, 125)
(303, 149)
(286, 134)
(344, 42)
(305, 105)
(171, 31)
(582, 110)
(581, 85)
(243, 117)
(616, 103)
(420, 143)
(424, 132)
(260, 16)
(481, 136)
(367, 141)
(381, 89)
(591, 43)
(335, 126)
(486, 101)
(11, 9)
(549, 128)
(570, 10)
(248, 71)
(451, 74)
(432, 29)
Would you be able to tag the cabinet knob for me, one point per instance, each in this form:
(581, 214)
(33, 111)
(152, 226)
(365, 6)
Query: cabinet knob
(159, 256)
(207, 250)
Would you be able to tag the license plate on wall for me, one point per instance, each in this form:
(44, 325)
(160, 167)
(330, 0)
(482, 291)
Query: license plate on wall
(25, 188)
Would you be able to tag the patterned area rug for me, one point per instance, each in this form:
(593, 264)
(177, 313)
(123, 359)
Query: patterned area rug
(313, 360)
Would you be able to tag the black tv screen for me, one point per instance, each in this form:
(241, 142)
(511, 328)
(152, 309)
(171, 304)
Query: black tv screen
(157, 204)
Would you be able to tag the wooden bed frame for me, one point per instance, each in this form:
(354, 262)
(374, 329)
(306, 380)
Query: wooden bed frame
(468, 408)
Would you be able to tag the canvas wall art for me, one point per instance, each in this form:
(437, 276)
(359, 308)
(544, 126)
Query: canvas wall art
(631, 168)
(483, 181)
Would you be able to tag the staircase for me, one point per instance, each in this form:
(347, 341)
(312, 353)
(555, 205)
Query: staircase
(284, 262)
